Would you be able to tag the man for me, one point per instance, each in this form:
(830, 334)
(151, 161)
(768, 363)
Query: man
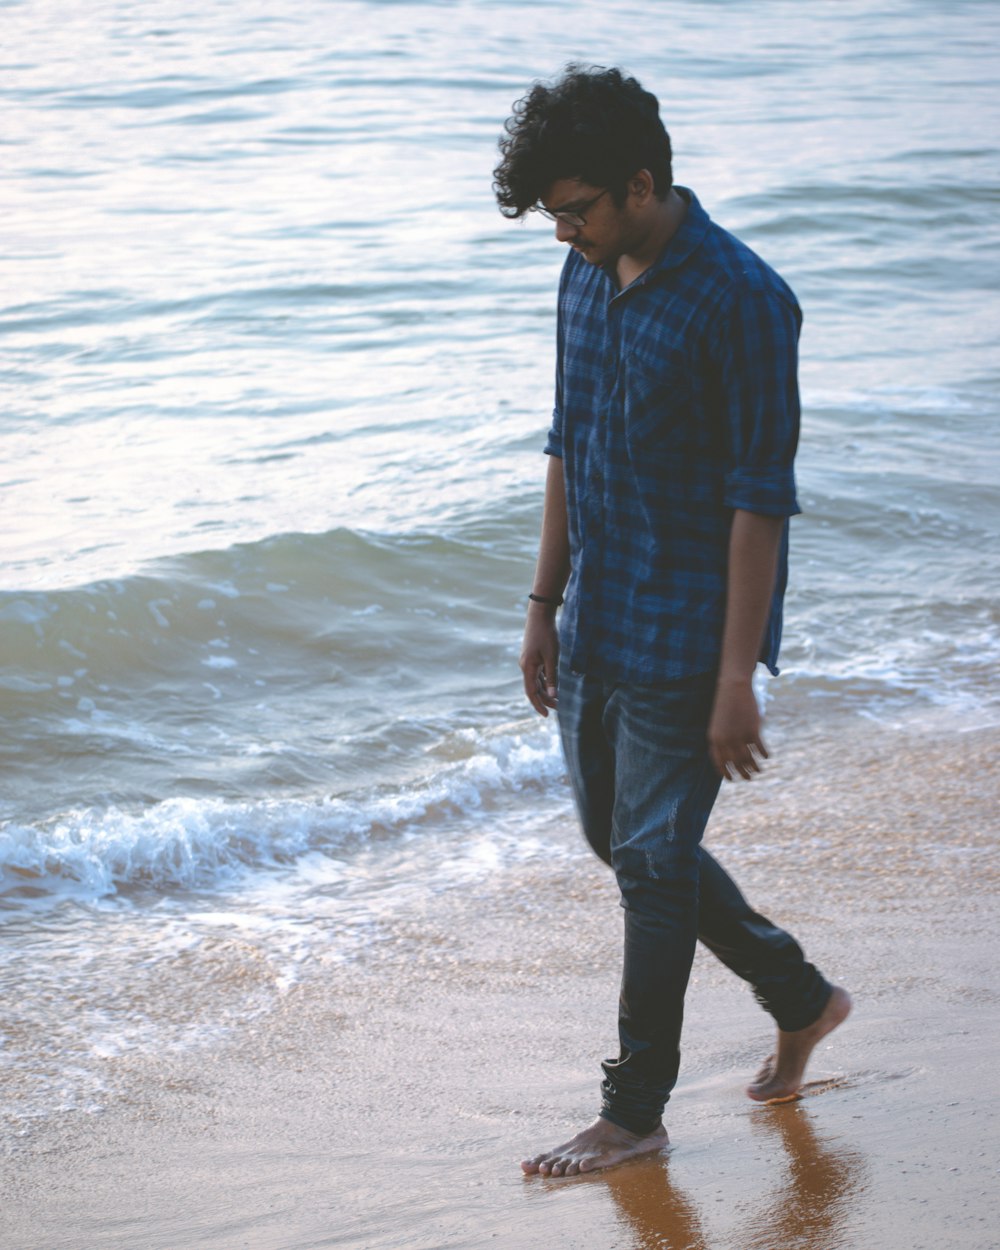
(665, 525)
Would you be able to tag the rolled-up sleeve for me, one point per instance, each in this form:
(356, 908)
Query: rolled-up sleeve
(554, 441)
(757, 361)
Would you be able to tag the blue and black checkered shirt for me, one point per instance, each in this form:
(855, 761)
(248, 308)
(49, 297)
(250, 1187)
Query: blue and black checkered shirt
(676, 403)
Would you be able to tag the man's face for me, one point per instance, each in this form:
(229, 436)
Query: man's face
(605, 234)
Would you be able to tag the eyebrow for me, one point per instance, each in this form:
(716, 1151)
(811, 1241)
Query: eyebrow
(570, 205)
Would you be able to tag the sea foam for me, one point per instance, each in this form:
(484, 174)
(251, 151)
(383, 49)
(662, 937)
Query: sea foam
(206, 843)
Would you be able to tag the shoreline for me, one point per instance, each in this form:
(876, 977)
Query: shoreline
(385, 1103)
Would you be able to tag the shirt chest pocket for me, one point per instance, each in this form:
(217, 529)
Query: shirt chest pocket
(655, 404)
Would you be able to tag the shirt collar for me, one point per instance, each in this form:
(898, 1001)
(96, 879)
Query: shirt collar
(688, 236)
(682, 243)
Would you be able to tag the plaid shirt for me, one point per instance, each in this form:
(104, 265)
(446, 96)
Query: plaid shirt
(676, 403)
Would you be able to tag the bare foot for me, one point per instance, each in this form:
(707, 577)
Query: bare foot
(601, 1146)
(781, 1076)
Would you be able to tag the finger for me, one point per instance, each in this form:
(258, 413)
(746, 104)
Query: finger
(749, 763)
(733, 762)
(531, 670)
(758, 753)
(738, 761)
(550, 669)
(535, 700)
(719, 762)
(543, 688)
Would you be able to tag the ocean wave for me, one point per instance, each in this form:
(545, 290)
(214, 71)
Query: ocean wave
(305, 664)
(199, 843)
(211, 611)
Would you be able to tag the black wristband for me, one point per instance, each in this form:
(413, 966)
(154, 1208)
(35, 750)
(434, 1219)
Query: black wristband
(553, 603)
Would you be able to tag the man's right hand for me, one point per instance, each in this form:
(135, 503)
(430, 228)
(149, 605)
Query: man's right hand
(540, 657)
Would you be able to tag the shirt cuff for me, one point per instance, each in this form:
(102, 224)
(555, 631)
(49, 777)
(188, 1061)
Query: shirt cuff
(554, 443)
(766, 491)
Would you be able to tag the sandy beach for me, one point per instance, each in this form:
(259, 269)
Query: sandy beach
(386, 1102)
(300, 946)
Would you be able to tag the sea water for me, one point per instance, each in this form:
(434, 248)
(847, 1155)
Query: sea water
(277, 378)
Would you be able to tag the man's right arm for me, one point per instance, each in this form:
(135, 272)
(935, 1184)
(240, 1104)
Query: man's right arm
(540, 650)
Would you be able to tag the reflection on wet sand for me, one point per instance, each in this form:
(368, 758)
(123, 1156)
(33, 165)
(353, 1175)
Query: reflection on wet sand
(807, 1209)
(811, 1209)
(658, 1214)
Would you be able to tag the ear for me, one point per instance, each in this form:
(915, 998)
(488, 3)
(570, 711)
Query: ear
(640, 186)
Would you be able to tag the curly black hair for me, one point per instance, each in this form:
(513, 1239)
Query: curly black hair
(594, 124)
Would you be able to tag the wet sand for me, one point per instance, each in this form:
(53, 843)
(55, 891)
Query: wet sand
(386, 1102)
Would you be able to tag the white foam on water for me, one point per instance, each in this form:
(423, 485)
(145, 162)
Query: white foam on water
(205, 843)
(23, 685)
(172, 926)
(884, 399)
(934, 669)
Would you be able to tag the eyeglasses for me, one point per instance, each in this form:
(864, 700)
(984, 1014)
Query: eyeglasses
(575, 218)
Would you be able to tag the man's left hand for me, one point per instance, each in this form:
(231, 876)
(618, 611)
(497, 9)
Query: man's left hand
(734, 742)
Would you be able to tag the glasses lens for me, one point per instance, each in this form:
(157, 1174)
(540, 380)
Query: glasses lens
(571, 219)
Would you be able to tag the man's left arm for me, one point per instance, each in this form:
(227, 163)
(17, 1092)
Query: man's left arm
(757, 356)
(734, 731)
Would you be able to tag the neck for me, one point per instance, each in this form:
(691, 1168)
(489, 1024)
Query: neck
(664, 222)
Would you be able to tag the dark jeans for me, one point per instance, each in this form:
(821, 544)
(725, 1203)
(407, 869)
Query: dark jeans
(644, 785)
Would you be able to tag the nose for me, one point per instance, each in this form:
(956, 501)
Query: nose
(564, 231)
